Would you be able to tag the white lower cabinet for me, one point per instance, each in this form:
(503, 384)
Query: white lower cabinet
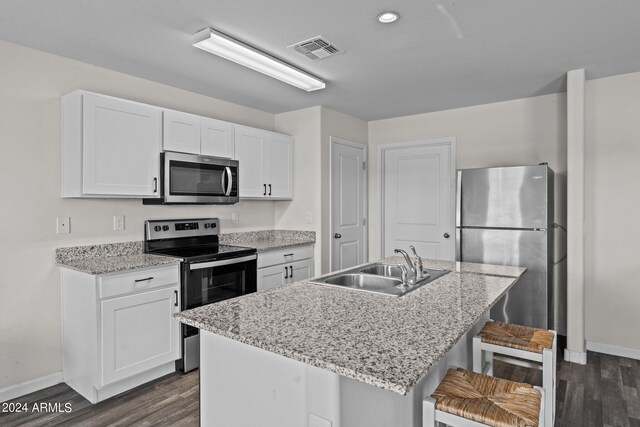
(118, 329)
(284, 266)
(138, 332)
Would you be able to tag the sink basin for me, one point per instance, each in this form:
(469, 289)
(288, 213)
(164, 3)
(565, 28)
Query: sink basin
(383, 270)
(378, 278)
(363, 281)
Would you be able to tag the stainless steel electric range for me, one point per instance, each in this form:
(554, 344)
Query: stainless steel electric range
(209, 272)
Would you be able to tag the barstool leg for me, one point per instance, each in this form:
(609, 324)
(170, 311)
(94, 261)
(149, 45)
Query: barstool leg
(548, 384)
(477, 354)
(428, 412)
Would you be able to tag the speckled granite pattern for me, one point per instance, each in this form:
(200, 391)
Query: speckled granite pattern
(384, 341)
(269, 239)
(96, 251)
(109, 258)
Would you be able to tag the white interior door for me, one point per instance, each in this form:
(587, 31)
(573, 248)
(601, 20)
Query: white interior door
(418, 184)
(347, 204)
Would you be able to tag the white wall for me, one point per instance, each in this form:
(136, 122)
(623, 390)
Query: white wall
(612, 204)
(30, 89)
(519, 132)
(338, 125)
(304, 126)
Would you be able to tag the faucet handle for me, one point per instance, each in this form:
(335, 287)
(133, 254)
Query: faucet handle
(418, 262)
(414, 251)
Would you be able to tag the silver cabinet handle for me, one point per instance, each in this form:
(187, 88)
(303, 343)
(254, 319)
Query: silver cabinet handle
(155, 185)
(286, 272)
(143, 280)
(175, 294)
(269, 189)
(291, 270)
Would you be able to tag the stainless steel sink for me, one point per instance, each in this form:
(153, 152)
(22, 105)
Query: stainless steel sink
(388, 270)
(378, 278)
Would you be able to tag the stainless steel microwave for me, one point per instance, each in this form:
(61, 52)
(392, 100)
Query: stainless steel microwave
(196, 179)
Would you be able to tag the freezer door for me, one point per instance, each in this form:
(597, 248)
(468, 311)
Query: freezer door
(526, 303)
(510, 197)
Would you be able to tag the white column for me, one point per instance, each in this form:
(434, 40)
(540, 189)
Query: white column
(576, 350)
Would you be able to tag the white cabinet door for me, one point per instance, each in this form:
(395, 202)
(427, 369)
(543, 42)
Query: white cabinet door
(121, 143)
(270, 277)
(138, 333)
(279, 166)
(181, 132)
(217, 138)
(300, 270)
(249, 151)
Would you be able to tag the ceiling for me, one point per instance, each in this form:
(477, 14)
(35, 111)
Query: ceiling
(441, 54)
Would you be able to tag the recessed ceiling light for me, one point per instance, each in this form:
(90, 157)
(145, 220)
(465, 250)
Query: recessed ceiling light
(388, 17)
(220, 44)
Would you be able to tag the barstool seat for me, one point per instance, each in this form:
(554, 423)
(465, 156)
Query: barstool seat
(463, 395)
(523, 346)
(516, 336)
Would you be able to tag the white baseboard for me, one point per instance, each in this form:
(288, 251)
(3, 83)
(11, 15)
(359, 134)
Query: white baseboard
(11, 392)
(613, 350)
(575, 356)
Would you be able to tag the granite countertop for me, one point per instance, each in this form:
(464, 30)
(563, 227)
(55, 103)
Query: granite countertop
(109, 258)
(269, 239)
(387, 342)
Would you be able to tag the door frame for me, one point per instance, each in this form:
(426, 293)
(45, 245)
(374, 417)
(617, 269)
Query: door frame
(365, 198)
(384, 148)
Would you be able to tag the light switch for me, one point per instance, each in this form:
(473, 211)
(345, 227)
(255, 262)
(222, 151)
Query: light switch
(316, 421)
(309, 217)
(118, 223)
(63, 226)
(235, 217)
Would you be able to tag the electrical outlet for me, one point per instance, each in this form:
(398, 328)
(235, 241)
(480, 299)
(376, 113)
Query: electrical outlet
(118, 223)
(235, 217)
(309, 217)
(63, 225)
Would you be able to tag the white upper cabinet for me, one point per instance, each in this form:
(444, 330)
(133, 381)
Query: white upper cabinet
(188, 133)
(280, 160)
(181, 132)
(217, 138)
(266, 164)
(110, 147)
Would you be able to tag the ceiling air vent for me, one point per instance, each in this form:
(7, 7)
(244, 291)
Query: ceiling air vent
(316, 48)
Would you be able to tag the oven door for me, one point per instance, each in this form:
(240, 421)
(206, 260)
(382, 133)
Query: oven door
(208, 282)
(190, 178)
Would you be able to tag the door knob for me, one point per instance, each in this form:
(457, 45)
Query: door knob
(337, 235)
(446, 235)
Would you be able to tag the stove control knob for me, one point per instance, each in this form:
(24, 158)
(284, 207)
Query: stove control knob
(206, 225)
(165, 228)
(213, 225)
(157, 228)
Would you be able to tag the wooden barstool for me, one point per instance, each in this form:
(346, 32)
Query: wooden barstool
(469, 399)
(521, 342)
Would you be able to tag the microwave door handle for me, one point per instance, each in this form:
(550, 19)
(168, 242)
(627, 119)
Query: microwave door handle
(227, 170)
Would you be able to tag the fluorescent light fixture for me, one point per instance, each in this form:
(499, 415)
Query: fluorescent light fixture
(229, 48)
(388, 17)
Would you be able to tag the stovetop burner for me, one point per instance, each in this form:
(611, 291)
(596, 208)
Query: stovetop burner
(200, 251)
(190, 239)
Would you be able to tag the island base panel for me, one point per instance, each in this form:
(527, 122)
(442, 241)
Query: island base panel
(245, 386)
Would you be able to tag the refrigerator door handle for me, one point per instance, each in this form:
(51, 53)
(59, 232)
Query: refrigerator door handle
(459, 199)
(458, 244)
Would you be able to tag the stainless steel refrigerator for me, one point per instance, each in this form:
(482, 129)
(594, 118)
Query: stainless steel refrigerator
(505, 216)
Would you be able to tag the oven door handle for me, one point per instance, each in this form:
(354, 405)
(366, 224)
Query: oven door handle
(201, 265)
(227, 171)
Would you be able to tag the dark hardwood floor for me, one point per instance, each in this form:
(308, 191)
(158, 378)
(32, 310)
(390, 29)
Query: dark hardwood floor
(605, 392)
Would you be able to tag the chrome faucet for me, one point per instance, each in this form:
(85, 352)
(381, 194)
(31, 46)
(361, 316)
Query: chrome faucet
(407, 258)
(418, 263)
(404, 273)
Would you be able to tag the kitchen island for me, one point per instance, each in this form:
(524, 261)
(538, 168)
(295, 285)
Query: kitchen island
(309, 355)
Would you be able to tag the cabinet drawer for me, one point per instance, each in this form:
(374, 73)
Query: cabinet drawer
(139, 280)
(286, 255)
